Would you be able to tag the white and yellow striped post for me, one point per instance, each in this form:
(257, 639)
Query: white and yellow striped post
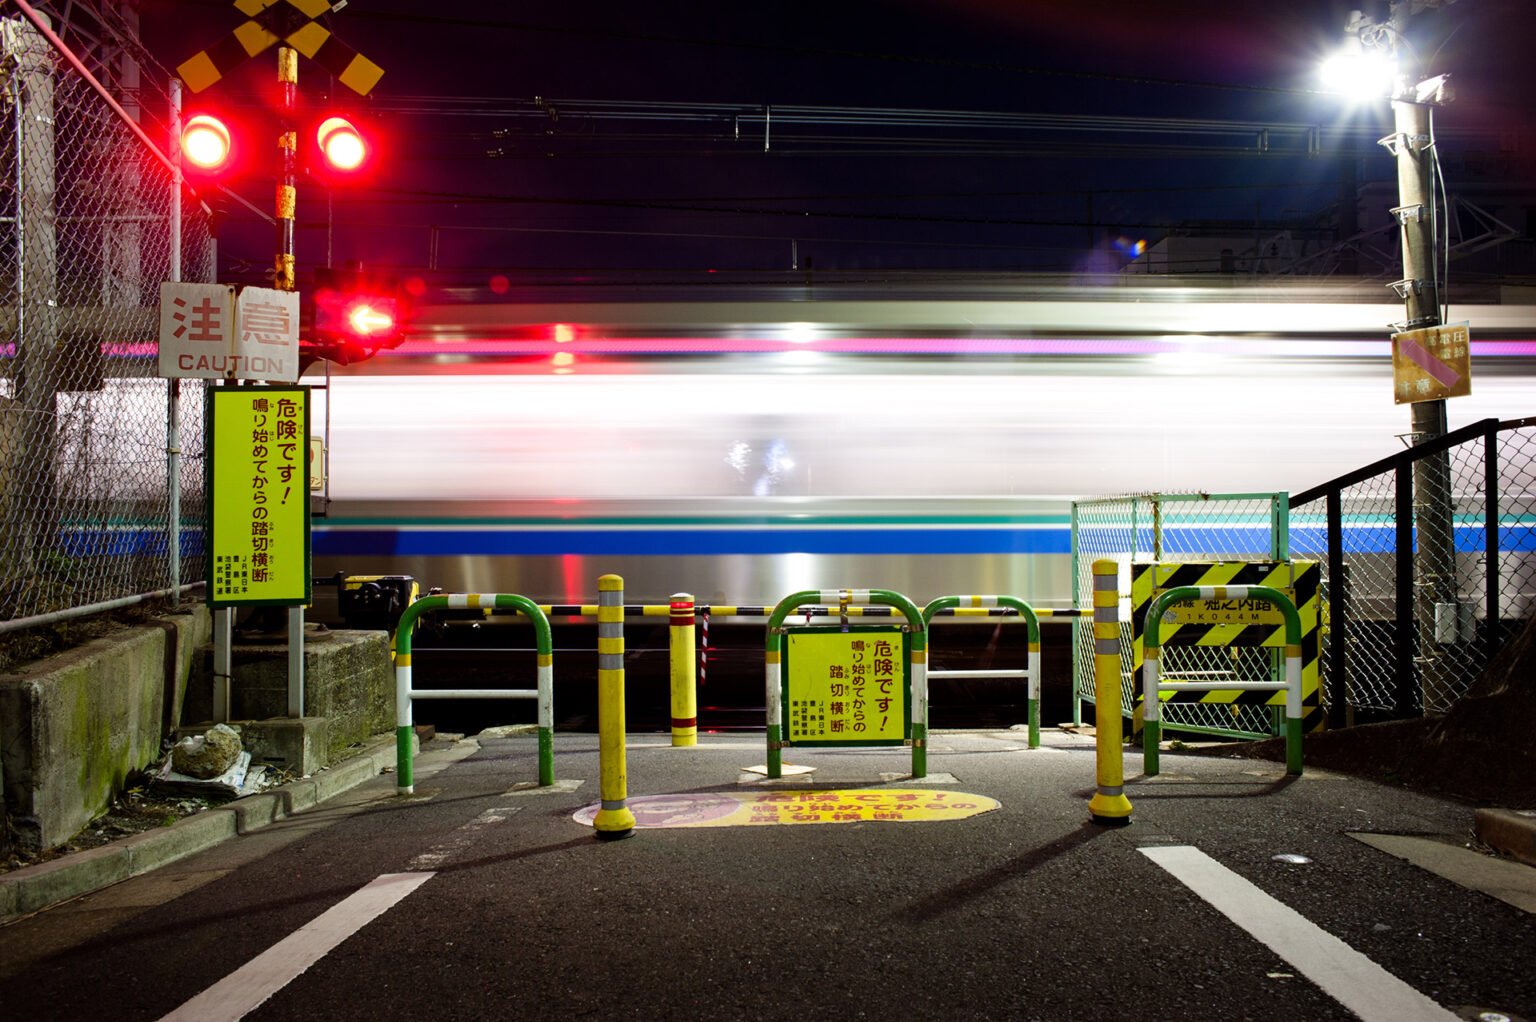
(685, 699)
(614, 820)
(1109, 806)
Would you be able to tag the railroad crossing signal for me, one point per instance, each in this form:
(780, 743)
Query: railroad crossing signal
(292, 23)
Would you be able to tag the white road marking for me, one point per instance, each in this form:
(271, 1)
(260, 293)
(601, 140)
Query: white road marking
(246, 988)
(1343, 973)
(461, 838)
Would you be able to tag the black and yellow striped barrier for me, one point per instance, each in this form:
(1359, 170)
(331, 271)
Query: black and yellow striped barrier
(1291, 687)
(1233, 626)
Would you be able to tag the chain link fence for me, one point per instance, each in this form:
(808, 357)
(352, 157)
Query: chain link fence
(1175, 527)
(87, 513)
(1429, 568)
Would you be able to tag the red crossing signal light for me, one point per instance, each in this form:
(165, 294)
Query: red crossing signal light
(355, 314)
(343, 149)
(207, 143)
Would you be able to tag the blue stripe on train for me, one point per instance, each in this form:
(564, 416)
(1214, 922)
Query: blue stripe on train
(702, 542)
(342, 540)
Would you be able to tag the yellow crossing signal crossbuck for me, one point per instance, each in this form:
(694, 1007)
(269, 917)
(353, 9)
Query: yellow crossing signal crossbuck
(292, 23)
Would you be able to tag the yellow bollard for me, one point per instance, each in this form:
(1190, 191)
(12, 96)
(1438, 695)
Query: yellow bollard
(685, 700)
(614, 820)
(1109, 806)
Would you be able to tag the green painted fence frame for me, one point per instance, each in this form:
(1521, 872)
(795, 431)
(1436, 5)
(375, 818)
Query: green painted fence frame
(405, 694)
(1031, 674)
(1152, 723)
(917, 666)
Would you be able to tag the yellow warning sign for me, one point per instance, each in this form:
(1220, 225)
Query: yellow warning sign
(1432, 363)
(768, 808)
(846, 687)
(258, 496)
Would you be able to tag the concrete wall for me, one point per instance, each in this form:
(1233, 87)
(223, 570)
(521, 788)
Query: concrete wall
(74, 726)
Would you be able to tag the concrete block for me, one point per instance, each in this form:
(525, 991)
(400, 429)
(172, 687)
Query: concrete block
(1511, 831)
(348, 680)
(299, 745)
(75, 726)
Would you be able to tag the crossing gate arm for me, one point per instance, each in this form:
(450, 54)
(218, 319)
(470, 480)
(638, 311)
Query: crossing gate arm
(1031, 674)
(405, 694)
(1151, 734)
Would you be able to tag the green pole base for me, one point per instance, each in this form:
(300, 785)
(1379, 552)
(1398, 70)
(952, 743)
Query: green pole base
(1110, 810)
(1293, 746)
(775, 754)
(1151, 747)
(613, 824)
(404, 778)
(1034, 723)
(546, 757)
(919, 750)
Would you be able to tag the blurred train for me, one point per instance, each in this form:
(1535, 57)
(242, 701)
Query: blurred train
(742, 441)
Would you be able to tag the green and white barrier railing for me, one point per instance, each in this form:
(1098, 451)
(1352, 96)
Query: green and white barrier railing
(915, 667)
(1030, 674)
(405, 695)
(1152, 728)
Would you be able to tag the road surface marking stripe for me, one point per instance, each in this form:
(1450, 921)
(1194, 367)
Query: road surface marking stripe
(1343, 973)
(461, 839)
(249, 986)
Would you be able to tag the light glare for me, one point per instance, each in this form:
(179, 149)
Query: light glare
(367, 320)
(1360, 74)
(341, 143)
(206, 142)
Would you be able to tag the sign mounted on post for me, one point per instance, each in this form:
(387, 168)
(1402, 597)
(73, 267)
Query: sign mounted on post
(258, 496)
(1432, 363)
(847, 687)
(208, 332)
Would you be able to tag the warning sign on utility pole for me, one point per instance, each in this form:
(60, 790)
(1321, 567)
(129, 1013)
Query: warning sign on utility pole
(1432, 363)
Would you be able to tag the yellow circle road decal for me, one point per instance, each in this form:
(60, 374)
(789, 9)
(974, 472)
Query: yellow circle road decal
(759, 808)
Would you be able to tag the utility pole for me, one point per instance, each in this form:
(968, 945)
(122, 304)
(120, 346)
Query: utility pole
(1433, 501)
(1412, 145)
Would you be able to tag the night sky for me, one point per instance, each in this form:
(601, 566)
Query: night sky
(855, 136)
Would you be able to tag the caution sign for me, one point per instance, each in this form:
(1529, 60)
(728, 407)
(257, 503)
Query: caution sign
(1432, 363)
(771, 808)
(847, 687)
(1232, 622)
(258, 496)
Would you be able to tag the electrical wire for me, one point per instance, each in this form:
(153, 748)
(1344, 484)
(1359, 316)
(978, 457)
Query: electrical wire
(1445, 202)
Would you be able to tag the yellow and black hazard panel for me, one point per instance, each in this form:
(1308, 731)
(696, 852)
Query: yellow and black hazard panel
(1231, 624)
(291, 22)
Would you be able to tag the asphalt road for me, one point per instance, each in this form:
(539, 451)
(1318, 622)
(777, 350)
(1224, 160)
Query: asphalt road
(495, 902)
